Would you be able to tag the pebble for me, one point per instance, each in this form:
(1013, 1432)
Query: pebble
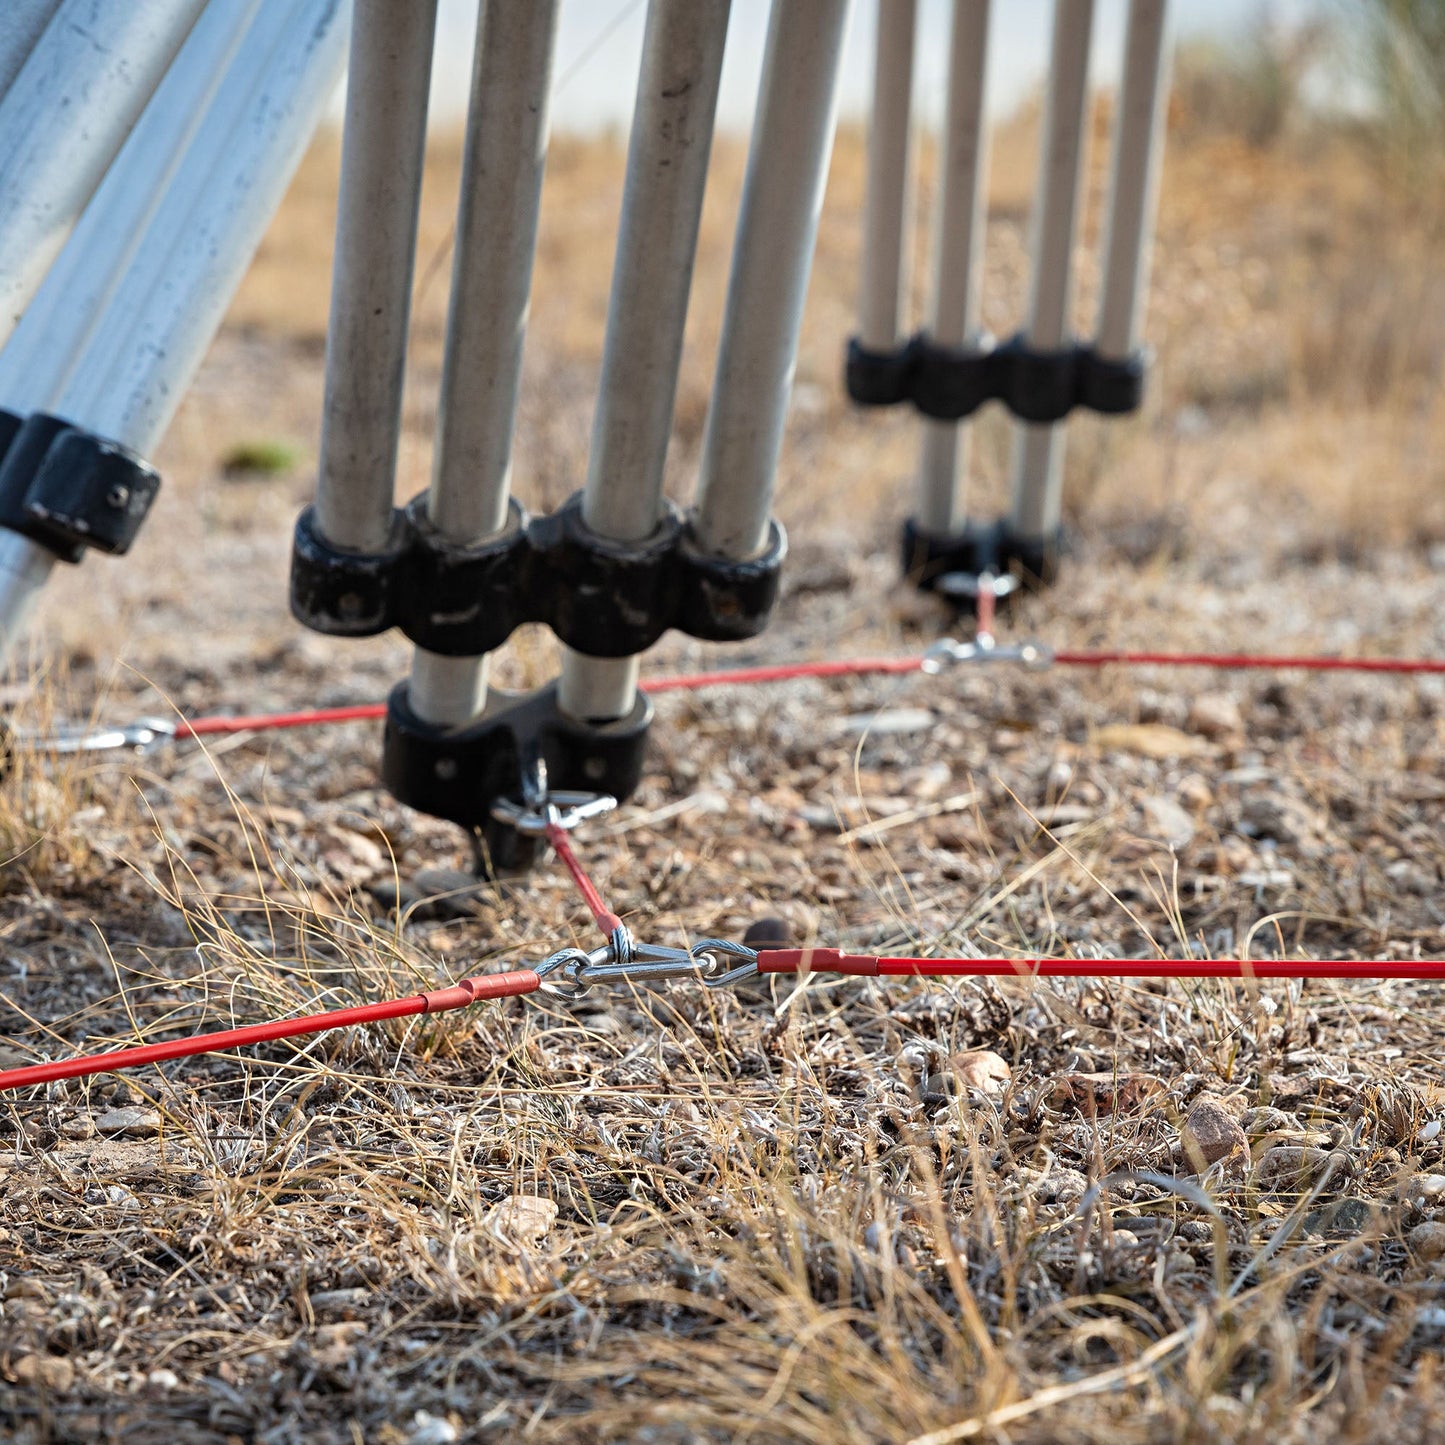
(1168, 821)
(49, 1372)
(429, 1429)
(1428, 1240)
(523, 1219)
(1425, 1186)
(131, 1122)
(1298, 1166)
(1266, 1120)
(1215, 715)
(889, 722)
(770, 932)
(983, 1070)
(1209, 1134)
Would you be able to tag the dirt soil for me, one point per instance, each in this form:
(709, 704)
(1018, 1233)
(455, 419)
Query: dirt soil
(836, 1210)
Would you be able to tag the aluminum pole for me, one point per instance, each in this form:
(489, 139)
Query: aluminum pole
(21, 25)
(506, 150)
(96, 260)
(1039, 447)
(883, 300)
(958, 244)
(1138, 150)
(150, 340)
(667, 161)
(65, 117)
(772, 256)
(383, 148)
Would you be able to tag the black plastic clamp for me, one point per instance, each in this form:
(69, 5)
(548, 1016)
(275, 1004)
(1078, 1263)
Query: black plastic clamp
(602, 598)
(949, 383)
(70, 490)
(931, 558)
(458, 773)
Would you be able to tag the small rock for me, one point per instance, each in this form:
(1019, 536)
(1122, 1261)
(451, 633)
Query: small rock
(1428, 1240)
(1298, 1166)
(49, 1372)
(1208, 1135)
(429, 1429)
(768, 933)
(1168, 821)
(1266, 1120)
(1430, 1132)
(1061, 1186)
(1148, 740)
(333, 1345)
(1425, 1186)
(522, 1219)
(132, 1122)
(82, 1127)
(163, 1380)
(1194, 793)
(1102, 1093)
(982, 1069)
(1215, 715)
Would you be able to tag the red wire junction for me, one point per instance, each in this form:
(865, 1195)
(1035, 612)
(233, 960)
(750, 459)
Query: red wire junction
(716, 962)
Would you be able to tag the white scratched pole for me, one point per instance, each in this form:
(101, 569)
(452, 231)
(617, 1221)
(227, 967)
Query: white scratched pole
(667, 163)
(383, 149)
(98, 258)
(64, 117)
(882, 298)
(958, 245)
(772, 257)
(150, 338)
(1138, 150)
(506, 151)
(1039, 447)
(21, 24)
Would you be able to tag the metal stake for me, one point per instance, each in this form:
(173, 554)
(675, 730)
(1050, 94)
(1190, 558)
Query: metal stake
(883, 299)
(772, 256)
(496, 237)
(1138, 150)
(958, 244)
(1039, 448)
(667, 161)
(382, 153)
(71, 106)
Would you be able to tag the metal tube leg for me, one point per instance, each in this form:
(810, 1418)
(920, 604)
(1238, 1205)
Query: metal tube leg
(1039, 448)
(382, 154)
(97, 259)
(958, 243)
(146, 346)
(21, 25)
(772, 256)
(63, 120)
(882, 301)
(491, 277)
(1138, 150)
(667, 165)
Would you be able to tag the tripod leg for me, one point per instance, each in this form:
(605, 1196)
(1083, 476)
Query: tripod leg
(667, 166)
(1138, 150)
(153, 331)
(772, 256)
(958, 243)
(69, 110)
(21, 25)
(486, 325)
(1039, 447)
(376, 221)
(883, 296)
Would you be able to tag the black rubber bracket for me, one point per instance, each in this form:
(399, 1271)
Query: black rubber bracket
(70, 490)
(949, 383)
(601, 598)
(458, 773)
(929, 557)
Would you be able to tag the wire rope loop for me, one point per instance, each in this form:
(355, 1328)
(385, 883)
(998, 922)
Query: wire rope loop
(711, 952)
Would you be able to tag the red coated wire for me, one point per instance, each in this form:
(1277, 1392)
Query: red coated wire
(867, 965)
(438, 1000)
(861, 667)
(602, 915)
